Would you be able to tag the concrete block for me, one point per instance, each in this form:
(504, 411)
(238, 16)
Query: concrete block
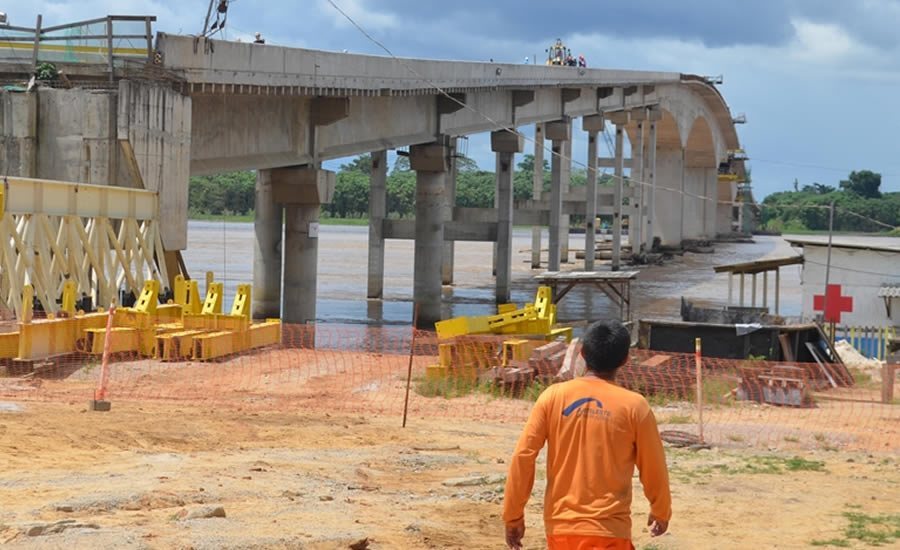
(619, 118)
(558, 130)
(99, 405)
(302, 185)
(429, 157)
(503, 141)
(593, 123)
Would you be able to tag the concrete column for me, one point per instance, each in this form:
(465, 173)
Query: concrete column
(682, 198)
(267, 226)
(667, 222)
(505, 145)
(592, 125)
(377, 212)
(431, 163)
(450, 202)
(619, 119)
(301, 253)
(564, 180)
(559, 133)
(654, 115)
(302, 191)
(636, 218)
(536, 191)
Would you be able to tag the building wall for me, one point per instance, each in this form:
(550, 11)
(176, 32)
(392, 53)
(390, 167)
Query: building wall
(861, 273)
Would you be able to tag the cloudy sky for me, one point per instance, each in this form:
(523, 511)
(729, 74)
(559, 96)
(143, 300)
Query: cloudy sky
(819, 80)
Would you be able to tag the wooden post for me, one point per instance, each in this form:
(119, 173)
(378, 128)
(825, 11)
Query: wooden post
(753, 292)
(730, 288)
(887, 383)
(777, 288)
(699, 364)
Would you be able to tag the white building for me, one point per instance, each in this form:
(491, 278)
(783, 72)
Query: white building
(867, 270)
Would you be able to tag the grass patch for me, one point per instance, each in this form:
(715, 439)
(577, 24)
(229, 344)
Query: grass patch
(248, 218)
(792, 439)
(871, 530)
(453, 387)
(679, 419)
(797, 463)
(875, 530)
(841, 543)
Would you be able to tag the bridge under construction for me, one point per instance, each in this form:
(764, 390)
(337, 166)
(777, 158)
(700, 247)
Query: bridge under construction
(97, 160)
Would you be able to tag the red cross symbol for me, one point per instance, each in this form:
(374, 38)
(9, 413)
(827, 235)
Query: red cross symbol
(836, 303)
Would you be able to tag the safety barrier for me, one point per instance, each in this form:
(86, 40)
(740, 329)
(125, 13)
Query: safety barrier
(363, 370)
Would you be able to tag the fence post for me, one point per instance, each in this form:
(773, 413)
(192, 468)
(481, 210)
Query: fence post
(699, 365)
(99, 403)
(887, 383)
(109, 47)
(37, 43)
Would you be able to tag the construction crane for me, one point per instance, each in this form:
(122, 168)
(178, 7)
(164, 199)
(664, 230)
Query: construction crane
(221, 14)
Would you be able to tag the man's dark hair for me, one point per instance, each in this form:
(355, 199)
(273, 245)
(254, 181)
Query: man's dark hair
(605, 346)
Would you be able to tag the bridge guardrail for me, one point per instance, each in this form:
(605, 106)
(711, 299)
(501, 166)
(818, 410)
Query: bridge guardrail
(100, 41)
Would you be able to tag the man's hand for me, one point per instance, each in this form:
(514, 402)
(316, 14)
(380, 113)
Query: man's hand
(514, 533)
(657, 526)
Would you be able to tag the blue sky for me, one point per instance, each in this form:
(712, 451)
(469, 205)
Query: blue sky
(817, 79)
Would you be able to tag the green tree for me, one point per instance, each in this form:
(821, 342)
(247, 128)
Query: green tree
(361, 164)
(864, 183)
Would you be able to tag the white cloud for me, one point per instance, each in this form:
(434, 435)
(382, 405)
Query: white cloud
(356, 9)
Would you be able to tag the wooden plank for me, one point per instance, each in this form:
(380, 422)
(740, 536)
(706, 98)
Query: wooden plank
(815, 353)
(786, 351)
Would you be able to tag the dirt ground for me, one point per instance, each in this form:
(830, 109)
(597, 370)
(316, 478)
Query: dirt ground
(137, 476)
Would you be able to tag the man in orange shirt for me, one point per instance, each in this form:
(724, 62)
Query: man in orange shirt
(597, 432)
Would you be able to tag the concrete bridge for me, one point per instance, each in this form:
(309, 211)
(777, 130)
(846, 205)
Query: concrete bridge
(207, 106)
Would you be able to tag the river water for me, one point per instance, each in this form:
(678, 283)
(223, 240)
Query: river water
(227, 250)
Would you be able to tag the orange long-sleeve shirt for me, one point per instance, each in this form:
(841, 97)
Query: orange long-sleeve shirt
(597, 433)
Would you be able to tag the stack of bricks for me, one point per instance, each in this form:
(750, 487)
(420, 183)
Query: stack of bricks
(543, 364)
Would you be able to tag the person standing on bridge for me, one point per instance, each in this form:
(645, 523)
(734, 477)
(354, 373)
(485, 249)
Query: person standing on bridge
(596, 432)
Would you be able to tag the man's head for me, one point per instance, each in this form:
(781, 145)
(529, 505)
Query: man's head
(605, 347)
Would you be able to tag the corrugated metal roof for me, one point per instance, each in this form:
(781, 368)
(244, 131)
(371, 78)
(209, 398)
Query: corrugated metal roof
(892, 291)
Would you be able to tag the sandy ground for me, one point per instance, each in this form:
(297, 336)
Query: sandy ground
(131, 478)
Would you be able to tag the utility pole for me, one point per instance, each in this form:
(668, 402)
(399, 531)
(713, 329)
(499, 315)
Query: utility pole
(828, 272)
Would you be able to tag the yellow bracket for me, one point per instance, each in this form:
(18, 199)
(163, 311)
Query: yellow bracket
(213, 303)
(543, 301)
(68, 297)
(149, 298)
(194, 303)
(181, 290)
(241, 304)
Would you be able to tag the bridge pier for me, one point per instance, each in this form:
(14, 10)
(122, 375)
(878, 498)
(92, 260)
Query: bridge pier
(537, 190)
(505, 145)
(431, 162)
(302, 191)
(377, 212)
(450, 203)
(559, 132)
(266, 249)
(669, 184)
(592, 125)
(620, 119)
(654, 115)
(636, 204)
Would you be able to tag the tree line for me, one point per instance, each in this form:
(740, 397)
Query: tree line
(232, 193)
(858, 200)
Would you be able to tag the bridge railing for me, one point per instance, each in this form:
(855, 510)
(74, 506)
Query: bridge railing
(101, 41)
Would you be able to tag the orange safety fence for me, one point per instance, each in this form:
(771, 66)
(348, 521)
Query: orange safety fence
(361, 369)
